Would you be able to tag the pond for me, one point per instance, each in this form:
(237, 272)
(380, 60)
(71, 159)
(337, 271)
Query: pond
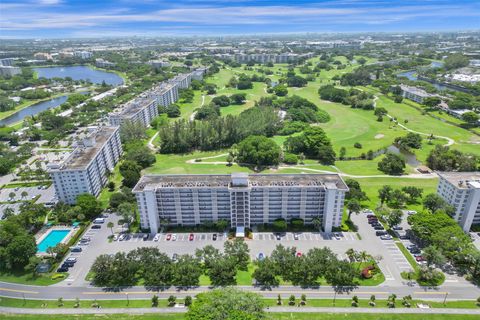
(410, 158)
(412, 75)
(80, 73)
(33, 110)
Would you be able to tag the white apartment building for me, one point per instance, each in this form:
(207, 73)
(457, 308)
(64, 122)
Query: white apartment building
(415, 94)
(85, 169)
(199, 73)
(141, 109)
(6, 62)
(462, 191)
(182, 80)
(244, 200)
(159, 64)
(101, 63)
(165, 93)
(9, 71)
(83, 54)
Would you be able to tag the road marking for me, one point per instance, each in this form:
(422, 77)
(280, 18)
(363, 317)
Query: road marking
(19, 291)
(432, 293)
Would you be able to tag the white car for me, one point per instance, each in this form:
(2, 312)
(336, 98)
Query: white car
(115, 237)
(410, 212)
(336, 235)
(386, 237)
(121, 237)
(157, 237)
(174, 237)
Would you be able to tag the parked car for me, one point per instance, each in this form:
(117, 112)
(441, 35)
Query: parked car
(299, 254)
(67, 265)
(371, 216)
(157, 237)
(191, 237)
(380, 233)
(169, 236)
(397, 228)
(295, 236)
(413, 251)
(278, 236)
(76, 249)
(99, 221)
(410, 212)
(97, 226)
(115, 237)
(337, 235)
(380, 227)
(62, 269)
(261, 256)
(174, 257)
(214, 237)
(71, 259)
(386, 237)
(145, 237)
(404, 237)
(419, 258)
(174, 237)
(412, 246)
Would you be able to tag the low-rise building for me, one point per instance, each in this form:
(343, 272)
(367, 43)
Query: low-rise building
(100, 63)
(86, 169)
(157, 64)
(462, 191)
(83, 54)
(9, 71)
(414, 93)
(199, 73)
(43, 56)
(244, 200)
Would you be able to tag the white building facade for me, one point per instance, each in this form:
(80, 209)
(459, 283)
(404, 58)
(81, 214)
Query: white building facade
(244, 200)
(462, 191)
(142, 109)
(86, 169)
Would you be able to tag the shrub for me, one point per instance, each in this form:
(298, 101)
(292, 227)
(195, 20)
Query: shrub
(171, 301)
(188, 301)
(155, 301)
(58, 276)
(280, 225)
(290, 158)
(279, 300)
(357, 145)
(291, 300)
(297, 223)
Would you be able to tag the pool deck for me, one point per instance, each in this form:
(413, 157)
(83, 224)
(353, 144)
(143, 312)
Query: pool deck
(44, 232)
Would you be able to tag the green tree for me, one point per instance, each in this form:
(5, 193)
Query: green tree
(130, 171)
(128, 212)
(433, 256)
(433, 202)
(226, 303)
(110, 225)
(89, 206)
(455, 61)
(259, 151)
(394, 218)
(470, 117)
(392, 164)
(132, 131)
(266, 273)
(353, 206)
(280, 90)
(222, 271)
(239, 252)
(385, 193)
(187, 271)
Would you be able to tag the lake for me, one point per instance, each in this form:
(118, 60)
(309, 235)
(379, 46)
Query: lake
(32, 110)
(80, 73)
(412, 75)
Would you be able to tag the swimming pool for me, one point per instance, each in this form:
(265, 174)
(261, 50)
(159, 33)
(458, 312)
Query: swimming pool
(52, 239)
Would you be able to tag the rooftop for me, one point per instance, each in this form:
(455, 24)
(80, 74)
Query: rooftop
(134, 106)
(415, 90)
(460, 179)
(87, 149)
(152, 182)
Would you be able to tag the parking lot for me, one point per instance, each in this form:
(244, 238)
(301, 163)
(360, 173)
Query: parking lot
(44, 194)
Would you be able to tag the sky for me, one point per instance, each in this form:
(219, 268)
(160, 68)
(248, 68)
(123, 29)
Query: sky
(120, 18)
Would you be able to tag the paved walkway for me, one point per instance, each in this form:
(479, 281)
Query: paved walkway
(8, 310)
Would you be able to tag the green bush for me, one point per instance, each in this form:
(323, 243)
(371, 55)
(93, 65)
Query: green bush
(290, 158)
(297, 224)
(280, 225)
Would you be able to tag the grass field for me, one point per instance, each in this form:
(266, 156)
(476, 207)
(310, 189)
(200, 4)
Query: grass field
(26, 278)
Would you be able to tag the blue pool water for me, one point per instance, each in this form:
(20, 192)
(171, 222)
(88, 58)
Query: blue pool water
(52, 239)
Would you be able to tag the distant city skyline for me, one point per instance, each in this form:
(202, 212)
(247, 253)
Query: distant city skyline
(88, 18)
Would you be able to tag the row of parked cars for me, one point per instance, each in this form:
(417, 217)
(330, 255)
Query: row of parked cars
(417, 253)
(378, 227)
(68, 263)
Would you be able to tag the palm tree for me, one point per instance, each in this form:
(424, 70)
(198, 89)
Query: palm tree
(24, 194)
(363, 256)
(110, 225)
(351, 254)
(11, 195)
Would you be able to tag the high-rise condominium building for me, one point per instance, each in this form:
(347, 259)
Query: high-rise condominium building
(244, 200)
(462, 191)
(86, 169)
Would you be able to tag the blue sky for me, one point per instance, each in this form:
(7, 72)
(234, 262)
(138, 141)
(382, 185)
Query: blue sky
(96, 18)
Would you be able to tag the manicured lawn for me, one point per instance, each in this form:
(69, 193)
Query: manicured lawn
(372, 185)
(105, 194)
(27, 278)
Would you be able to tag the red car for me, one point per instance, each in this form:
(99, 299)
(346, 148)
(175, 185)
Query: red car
(169, 236)
(419, 258)
(191, 237)
(299, 254)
